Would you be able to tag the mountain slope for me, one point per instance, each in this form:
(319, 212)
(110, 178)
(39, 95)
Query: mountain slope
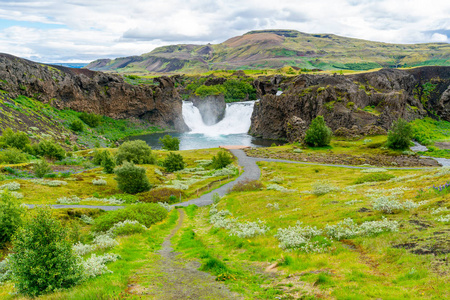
(272, 49)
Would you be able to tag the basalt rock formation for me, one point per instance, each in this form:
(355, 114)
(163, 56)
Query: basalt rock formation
(92, 92)
(360, 104)
(212, 108)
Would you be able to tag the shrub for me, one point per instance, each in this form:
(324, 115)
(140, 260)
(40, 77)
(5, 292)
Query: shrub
(13, 139)
(238, 90)
(349, 229)
(131, 179)
(99, 182)
(92, 120)
(301, 237)
(374, 177)
(10, 217)
(51, 266)
(221, 160)
(76, 125)
(137, 152)
(108, 163)
(13, 156)
(322, 188)
(11, 186)
(168, 195)
(96, 265)
(126, 227)
(50, 150)
(97, 159)
(170, 143)
(212, 90)
(400, 135)
(41, 168)
(318, 133)
(247, 186)
(173, 162)
(145, 213)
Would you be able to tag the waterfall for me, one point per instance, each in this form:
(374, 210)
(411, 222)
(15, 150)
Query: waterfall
(236, 120)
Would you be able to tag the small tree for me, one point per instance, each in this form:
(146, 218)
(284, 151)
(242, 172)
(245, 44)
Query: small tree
(173, 162)
(10, 217)
(76, 125)
(92, 120)
(131, 179)
(13, 139)
(221, 160)
(50, 149)
(170, 143)
(41, 168)
(400, 135)
(318, 133)
(108, 163)
(137, 152)
(43, 260)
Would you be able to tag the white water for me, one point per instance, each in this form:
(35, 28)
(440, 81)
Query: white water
(236, 120)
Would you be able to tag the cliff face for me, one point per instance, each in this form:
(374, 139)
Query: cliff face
(359, 104)
(93, 92)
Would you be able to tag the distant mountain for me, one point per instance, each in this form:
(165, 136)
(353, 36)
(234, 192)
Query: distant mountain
(273, 49)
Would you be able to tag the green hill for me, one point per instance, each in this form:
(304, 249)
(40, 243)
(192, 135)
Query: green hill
(273, 49)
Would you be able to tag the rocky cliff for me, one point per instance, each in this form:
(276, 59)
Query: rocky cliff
(93, 92)
(360, 104)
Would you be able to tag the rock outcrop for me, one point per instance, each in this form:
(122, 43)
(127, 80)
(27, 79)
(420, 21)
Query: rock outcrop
(93, 92)
(212, 108)
(360, 104)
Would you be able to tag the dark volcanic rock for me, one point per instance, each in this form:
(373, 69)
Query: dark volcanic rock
(212, 108)
(361, 104)
(93, 92)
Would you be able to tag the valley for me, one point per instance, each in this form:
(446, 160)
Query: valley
(346, 215)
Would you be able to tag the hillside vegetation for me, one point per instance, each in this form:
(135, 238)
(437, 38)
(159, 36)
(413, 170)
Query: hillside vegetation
(274, 49)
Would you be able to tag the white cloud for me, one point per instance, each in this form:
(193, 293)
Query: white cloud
(100, 28)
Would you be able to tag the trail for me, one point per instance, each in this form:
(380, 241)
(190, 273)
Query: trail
(174, 278)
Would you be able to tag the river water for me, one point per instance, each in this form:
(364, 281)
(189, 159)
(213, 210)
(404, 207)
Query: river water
(231, 130)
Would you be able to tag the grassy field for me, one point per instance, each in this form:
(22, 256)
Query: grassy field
(304, 232)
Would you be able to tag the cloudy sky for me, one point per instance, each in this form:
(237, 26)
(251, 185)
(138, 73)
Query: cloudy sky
(84, 30)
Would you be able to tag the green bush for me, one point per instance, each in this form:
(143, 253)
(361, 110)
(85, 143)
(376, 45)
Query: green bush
(13, 156)
(212, 90)
(41, 168)
(173, 162)
(170, 143)
(137, 152)
(374, 177)
(145, 213)
(92, 120)
(13, 139)
(76, 125)
(318, 133)
(43, 260)
(238, 90)
(10, 217)
(400, 135)
(108, 163)
(49, 149)
(221, 160)
(131, 179)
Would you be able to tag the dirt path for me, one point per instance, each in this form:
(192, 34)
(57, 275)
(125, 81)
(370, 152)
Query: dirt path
(174, 278)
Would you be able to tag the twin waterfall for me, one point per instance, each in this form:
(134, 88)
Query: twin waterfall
(236, 119)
